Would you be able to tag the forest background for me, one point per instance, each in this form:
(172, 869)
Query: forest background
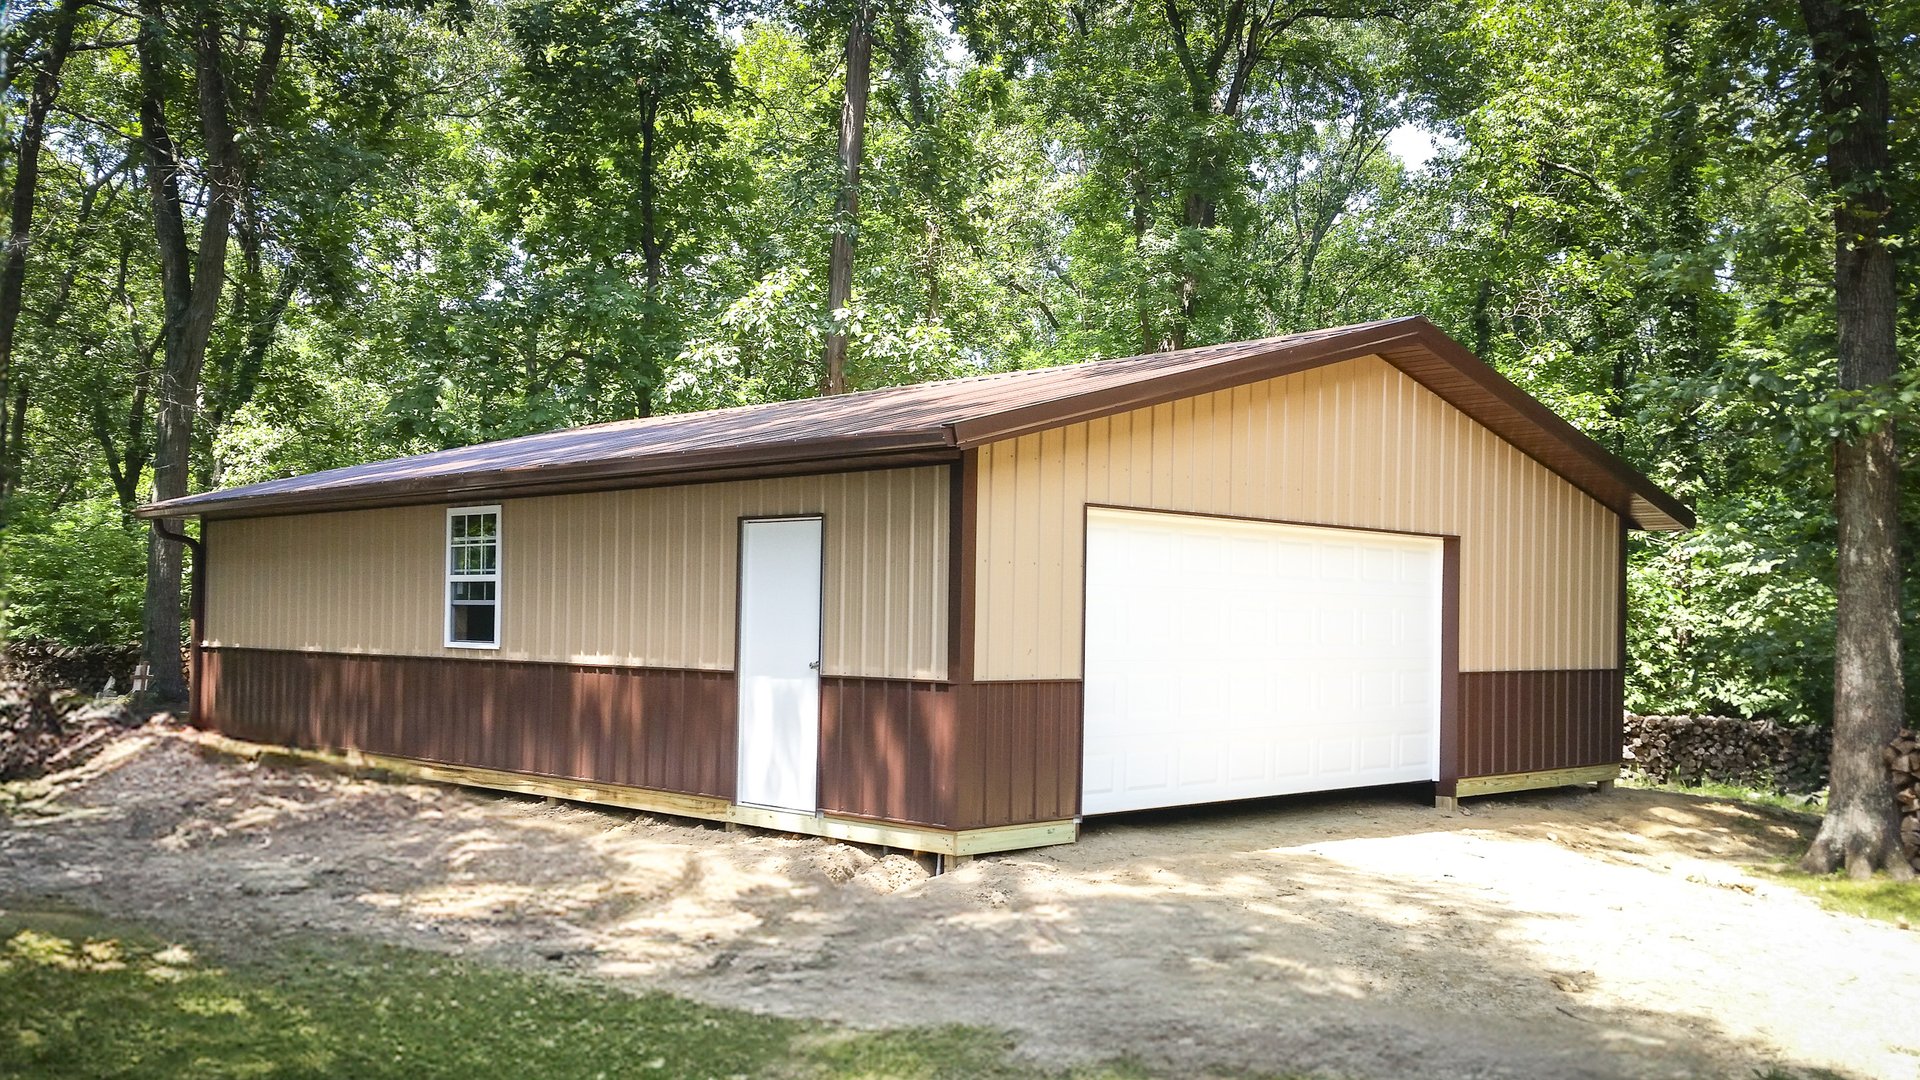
(253, 238)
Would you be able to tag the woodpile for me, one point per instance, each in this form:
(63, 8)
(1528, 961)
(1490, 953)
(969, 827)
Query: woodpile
(1728, 750)
(82, 667)
(44, 731)
(1903, 757)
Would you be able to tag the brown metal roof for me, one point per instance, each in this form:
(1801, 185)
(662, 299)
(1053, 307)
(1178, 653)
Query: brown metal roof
(933, 422)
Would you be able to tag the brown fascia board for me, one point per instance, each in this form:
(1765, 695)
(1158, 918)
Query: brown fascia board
(1553, 424)
(1150, 391)
(1288, 360)
(839, 454)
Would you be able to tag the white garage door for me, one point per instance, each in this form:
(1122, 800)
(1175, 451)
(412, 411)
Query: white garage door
(1234, 660)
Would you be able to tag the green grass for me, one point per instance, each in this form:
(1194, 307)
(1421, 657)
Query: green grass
(84, 997)
(1897, 902)
(1803, 804)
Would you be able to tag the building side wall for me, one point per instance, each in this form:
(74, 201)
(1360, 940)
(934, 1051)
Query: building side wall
(642, 727)
(1354, 444)
(637, 578)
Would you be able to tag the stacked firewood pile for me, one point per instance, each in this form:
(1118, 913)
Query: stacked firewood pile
(1728, 750)
(1903, 757)
(44, 731)
(87, 667)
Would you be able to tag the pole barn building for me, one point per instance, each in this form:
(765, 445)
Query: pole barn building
(959, 616)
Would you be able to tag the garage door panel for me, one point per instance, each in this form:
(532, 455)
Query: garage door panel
(1099, 774)
(1412, 751)
(1230, 659)
(1293, 758)
(1203, 762)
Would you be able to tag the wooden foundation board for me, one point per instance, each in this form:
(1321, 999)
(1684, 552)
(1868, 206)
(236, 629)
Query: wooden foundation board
(937, 841)
(1528, 781)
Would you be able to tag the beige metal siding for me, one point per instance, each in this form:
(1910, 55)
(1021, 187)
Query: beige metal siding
(1356, 443)
(643, 577)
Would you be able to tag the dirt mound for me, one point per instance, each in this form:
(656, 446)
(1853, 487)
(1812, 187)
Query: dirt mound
(891, 874)
(43, 731)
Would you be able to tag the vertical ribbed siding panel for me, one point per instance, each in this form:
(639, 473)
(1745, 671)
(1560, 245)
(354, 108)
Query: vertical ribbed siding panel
(630, 578)
(1529, 721)
(1016, 755)
(669, 730)
(1357, 444)
(1069, 524)
(365, 582)
(1054, 539)
(885, 749)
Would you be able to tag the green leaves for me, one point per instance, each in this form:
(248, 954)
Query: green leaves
(71, 571)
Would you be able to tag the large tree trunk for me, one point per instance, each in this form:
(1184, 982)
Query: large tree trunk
(846, 212)
(13, 269)
(1860, 828)
(191, 283)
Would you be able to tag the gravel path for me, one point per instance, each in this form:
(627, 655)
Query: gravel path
(1545, 935)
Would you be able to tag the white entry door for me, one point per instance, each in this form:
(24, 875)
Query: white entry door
(1232, 660)
(779, 672)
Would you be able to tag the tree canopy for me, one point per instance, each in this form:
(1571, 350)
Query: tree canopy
(252, 238)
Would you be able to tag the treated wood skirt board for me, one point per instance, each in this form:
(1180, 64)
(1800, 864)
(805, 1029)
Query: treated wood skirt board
(1527, 781)
(854, 830)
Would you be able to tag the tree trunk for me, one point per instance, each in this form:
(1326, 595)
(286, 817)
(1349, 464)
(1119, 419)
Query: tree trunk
(13, 270)
(846, 212)
(191, 283)
(1860, 830)
(126, 467)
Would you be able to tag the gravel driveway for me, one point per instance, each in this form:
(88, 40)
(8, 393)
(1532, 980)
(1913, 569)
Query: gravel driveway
(1546, 935)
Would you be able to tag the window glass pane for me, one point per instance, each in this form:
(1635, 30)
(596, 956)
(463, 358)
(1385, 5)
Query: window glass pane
(471, 592)
(473, 623)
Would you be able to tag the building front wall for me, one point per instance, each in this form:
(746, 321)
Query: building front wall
(1356, 444)
(635, 578)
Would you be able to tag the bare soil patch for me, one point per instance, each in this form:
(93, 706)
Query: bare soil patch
(1362, 935)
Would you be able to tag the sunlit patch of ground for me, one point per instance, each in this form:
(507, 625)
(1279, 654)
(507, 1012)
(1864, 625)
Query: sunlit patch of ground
(1365, 934)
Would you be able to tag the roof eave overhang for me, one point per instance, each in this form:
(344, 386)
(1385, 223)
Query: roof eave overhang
(1415, 346)
(1145, 392)
(1643, 503)
(893, 450)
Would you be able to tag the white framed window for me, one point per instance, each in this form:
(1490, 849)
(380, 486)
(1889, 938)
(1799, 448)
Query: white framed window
(473, 577)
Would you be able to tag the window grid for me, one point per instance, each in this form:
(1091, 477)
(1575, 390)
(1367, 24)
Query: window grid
(473, 577)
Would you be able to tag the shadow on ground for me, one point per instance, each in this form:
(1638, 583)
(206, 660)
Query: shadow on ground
(1543, 935)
